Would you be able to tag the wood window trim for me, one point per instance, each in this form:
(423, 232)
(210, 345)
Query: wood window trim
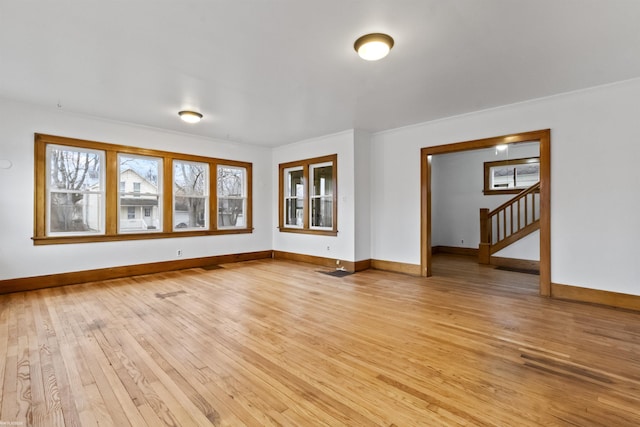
(487, 190)
(306, 164)
(247, 196)
(112, 185)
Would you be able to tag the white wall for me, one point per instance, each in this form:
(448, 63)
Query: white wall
(342, 246)
(362, 169)
(20, 258)
(457, 183)
(594, 188)
(595, 196)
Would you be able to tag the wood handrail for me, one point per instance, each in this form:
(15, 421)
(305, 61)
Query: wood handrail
(534, 188)
(508, 229)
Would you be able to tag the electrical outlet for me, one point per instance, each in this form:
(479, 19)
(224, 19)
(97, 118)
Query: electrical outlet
(179, 252)
(328, 248)
(337, 262)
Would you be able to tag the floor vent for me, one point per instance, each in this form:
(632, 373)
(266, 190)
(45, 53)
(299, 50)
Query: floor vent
(336, 273)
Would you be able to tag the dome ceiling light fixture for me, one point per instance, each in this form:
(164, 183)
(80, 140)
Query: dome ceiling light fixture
(372, 47)
(190, 116)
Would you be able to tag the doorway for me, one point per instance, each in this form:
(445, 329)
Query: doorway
(543, 137)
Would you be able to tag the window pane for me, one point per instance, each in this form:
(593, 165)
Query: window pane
(190, 178)
(231, 196)
(230, 181)
(75, 169)
(140, 179)
(515, 176)
(75, 190)
(295, 183)
(294, 197)
(76, 213)
(321, 195)
(527, 175)
(322, 212)
(191, 195)
(294, 212)
(231, 212)
(322, 180)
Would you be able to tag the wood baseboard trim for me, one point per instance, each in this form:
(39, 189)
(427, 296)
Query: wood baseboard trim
(454, 250)
(323, 261)
(71, 278)
(363, 265)
(523, 264)
(558, 291)
(396, 267)
(595, 296)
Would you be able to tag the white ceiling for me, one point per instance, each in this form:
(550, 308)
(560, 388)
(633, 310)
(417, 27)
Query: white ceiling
(272, 72)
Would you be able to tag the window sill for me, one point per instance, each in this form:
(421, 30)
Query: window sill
(60, 240)
(309, 231)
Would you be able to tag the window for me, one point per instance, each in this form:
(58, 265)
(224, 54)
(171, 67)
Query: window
(74, 191)
(308, 195)
(511, 176)
(322, 195)
(143, 175)
(190, 195)
(89, 191)
(232, 196)
(294, 197)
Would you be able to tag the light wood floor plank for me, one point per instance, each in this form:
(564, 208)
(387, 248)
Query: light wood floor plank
(278, 343)
(4, 344)
(9, 409)
(122, 408)
(38, 410)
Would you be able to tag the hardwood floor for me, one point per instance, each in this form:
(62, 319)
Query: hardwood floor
(269, 342)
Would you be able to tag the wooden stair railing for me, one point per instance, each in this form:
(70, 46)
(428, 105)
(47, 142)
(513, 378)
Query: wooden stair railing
(509, 222)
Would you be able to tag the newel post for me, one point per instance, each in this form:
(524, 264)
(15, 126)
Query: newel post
(484, 249)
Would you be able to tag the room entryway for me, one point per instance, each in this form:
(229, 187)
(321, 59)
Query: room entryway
(542, 137)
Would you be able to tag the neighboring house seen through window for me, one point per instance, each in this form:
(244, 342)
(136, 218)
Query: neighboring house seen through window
(140, 191)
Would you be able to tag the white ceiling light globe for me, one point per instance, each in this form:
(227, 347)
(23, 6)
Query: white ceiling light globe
(190, 116)
(372, 47)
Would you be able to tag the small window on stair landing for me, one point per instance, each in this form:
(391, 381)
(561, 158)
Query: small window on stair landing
(511, 176)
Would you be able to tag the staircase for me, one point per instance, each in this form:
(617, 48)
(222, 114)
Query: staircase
(509, 222)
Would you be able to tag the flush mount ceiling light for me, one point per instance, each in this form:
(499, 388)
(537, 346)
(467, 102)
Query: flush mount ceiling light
(190, 116)
(372, 47)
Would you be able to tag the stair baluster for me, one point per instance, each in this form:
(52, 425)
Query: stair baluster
(506, 234)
